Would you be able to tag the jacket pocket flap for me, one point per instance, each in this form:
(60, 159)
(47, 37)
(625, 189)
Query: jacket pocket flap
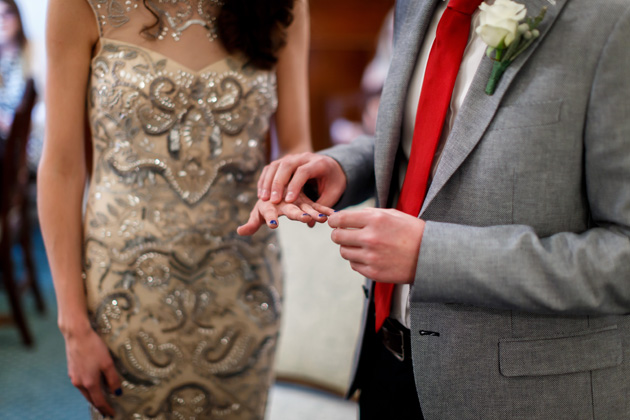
(529, 114)
(579, 352)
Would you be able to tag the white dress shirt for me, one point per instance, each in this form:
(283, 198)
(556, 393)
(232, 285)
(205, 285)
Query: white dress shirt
(474, 52)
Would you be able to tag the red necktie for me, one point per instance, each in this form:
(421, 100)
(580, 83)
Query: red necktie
(435, 97)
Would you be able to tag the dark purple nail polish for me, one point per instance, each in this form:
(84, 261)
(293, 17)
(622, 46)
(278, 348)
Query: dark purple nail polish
(305, 214)
(273, 222)
(118, 392)
(322, 215)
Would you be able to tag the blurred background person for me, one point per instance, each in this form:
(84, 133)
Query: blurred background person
(14, 63)
(344, 130)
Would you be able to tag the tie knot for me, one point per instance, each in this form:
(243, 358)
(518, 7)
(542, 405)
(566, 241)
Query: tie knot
(466, 7)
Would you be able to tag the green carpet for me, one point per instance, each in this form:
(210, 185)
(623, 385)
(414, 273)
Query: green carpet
(34, 383)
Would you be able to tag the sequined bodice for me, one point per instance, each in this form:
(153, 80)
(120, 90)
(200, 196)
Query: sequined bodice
(157, 122)
(189, 310)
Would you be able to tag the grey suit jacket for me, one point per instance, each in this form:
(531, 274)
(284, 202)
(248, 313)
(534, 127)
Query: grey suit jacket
(524, 267)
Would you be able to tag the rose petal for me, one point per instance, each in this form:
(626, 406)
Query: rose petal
(492, 35)
(500, 22)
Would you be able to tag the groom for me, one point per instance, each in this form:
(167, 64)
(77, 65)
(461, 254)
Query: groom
(506, 235)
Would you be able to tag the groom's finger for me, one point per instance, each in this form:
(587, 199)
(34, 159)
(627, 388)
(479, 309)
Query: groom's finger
(286, 170)
(264, 183)
(261, 181)
(300, 176)
(353, 254)
(349, 219)
(365, 270)
(281, 178)
(347, 237)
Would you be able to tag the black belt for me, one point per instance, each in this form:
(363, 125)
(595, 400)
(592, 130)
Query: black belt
(396, 338)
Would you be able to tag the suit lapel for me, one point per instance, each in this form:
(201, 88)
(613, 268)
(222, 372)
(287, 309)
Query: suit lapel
(478, 108)
(390, 116)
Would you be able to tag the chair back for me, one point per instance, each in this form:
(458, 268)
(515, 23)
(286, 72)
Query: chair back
(14, 170)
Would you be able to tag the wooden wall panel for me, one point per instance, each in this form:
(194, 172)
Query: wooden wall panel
(343, 40)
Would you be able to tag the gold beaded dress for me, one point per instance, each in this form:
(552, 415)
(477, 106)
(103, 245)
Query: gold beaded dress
(189, 310)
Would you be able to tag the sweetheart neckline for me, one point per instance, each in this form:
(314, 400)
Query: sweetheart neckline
(187, 69)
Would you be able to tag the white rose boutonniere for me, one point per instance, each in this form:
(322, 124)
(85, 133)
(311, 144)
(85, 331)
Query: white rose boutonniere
(507, 31)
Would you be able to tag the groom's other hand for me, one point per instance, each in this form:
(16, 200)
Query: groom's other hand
(291, 173)
(381, 244)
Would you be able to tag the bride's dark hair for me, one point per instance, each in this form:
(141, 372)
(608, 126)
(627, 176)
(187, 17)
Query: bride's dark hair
(256, 28)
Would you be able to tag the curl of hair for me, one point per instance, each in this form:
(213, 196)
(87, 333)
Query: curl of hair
(256, 28)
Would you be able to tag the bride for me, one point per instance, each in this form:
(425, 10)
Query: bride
(166, 312)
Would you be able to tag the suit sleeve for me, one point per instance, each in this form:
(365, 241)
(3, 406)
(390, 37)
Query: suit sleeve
(357, 161)
(510, 267)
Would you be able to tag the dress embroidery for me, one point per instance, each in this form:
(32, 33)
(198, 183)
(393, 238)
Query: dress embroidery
(189, 310)
(174, 16)
(192, 112)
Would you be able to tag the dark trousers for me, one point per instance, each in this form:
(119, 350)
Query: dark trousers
(388, 390)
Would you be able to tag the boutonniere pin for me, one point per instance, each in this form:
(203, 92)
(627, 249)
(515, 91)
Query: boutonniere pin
(508, 32)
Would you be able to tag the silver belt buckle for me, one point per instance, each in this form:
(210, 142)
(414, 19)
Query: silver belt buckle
(398, 355)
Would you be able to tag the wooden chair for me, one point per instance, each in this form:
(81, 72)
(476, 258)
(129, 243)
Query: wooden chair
(15, 226)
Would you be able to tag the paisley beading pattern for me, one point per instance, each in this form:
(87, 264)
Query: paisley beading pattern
(189, 310)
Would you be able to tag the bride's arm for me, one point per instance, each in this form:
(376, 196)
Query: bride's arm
(292, 126)
(71, 35)
(292, 117)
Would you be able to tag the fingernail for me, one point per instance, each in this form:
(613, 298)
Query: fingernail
(290, 196)
(264, 193)
(305, 214)
(118, 392)
(336, 211)
(273, 222)
(322, 215)
(274, 193)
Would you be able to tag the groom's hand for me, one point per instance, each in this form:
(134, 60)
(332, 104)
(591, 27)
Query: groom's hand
(290, 173)
(381, 244)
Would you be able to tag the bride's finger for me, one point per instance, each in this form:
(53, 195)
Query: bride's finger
(318, 212)
(269, 213)
(322, 209)
(312, 212)
(293, 212)
(253, 224)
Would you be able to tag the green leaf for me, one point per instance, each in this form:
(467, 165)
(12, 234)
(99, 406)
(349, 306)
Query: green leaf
(513, 47)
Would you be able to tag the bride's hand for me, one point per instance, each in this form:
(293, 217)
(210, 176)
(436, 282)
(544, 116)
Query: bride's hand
(302, 209)
(89, 361)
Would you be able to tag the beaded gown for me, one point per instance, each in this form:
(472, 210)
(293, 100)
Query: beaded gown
(189, 310)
